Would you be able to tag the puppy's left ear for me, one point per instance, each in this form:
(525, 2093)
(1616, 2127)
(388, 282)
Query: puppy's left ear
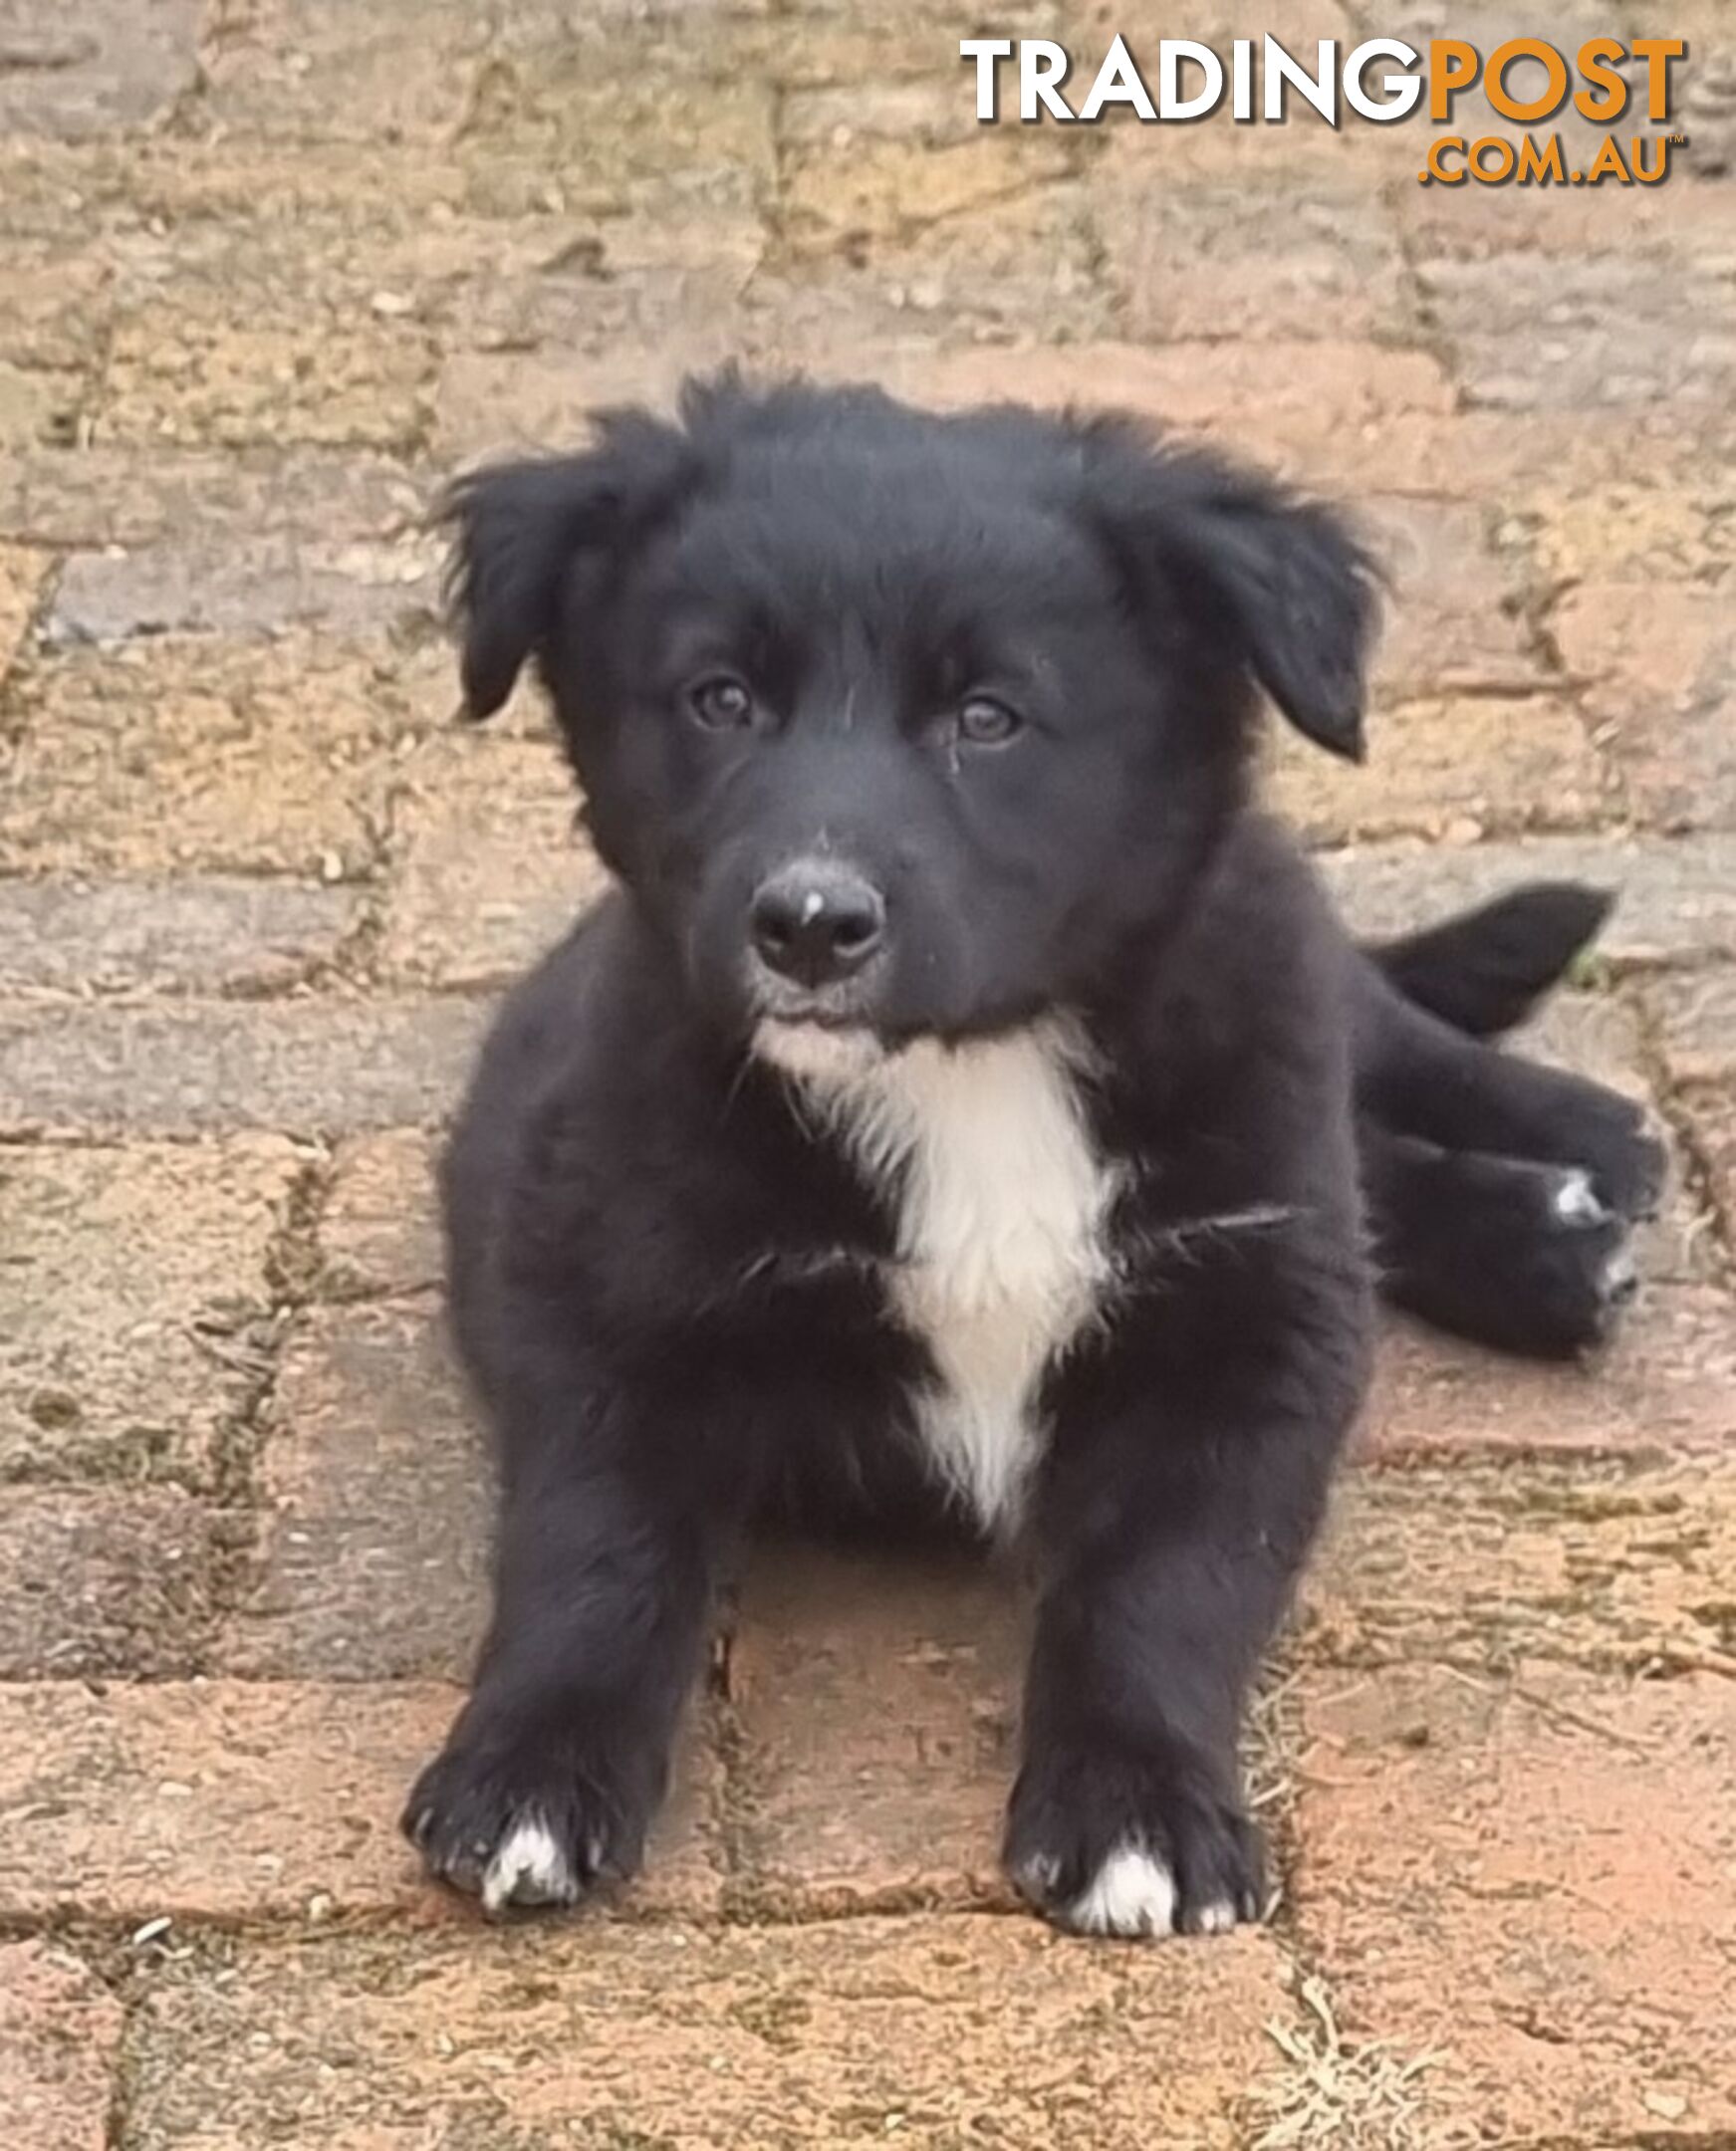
(1281, 579)
(519, 528)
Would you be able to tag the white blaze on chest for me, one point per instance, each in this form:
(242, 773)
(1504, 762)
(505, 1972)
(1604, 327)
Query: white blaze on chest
(1002, 1208)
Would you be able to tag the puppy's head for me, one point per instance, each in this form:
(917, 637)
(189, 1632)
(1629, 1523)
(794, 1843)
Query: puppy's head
(899, 724)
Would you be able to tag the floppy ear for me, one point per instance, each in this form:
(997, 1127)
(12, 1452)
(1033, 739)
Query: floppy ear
(1280, 578)
(520, 527)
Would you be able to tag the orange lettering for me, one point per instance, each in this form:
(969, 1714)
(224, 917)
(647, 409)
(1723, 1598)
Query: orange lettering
(1520, 109)
(1595, 59)
(1657, 53)
(1445, 78)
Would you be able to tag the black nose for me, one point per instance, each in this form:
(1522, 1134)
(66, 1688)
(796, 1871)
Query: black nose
(817, 922)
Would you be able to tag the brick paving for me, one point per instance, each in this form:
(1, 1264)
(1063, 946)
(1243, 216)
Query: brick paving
(267, 269)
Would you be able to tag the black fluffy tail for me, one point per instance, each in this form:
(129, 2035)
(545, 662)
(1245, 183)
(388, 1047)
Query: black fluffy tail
(1484, 971)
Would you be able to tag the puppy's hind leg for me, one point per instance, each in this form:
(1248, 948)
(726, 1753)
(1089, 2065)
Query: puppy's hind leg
(1511, 1253)
(1417, 1075)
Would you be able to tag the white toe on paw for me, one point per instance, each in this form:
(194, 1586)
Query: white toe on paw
(1575, 1200)
(1132, 1893)
(1216, 1918)
(528, 1868)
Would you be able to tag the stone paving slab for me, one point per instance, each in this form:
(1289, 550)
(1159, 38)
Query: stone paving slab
(932, 2032)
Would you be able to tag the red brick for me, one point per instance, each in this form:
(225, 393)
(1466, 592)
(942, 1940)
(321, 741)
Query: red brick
(1320, 259)
(492, 870)
(1674, 900)
(1452, 620)
(1279, 400)
(1609, 1564)
(1594, 337)
(932, 2032)
(208, 584)
(372, 1558)
(1696, 1022)
(379, 1232)
(224, 934)
(104, 496)
(198, 1068)
(129, 1351)
(195, 750)
(1668, 1383)
(870, 162)
(59, 2050)
(1459, 767)
(231, 1800)
(1660, 659)
(22, 574)
(88, 67)
(874, 1700)
(1524, 1880)
(93, 1584)
(1711, 1117)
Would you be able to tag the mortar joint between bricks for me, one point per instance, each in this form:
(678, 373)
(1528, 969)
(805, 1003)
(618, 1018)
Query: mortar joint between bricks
(1697, 1165)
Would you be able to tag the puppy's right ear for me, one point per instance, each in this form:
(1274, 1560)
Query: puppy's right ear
(519, 528)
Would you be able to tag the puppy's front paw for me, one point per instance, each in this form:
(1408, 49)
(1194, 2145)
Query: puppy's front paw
(527, 1819)
(1111, 1842)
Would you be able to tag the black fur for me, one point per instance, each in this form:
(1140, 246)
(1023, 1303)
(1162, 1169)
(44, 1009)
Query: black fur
(669, 1278)
(1485, 971)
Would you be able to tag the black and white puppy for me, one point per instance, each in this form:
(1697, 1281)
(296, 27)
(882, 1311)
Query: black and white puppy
(955, 1110)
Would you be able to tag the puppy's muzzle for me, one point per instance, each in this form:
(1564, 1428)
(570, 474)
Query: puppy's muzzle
(816, 923)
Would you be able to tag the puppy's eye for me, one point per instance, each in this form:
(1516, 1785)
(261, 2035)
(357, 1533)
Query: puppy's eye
(721, 703)
(984, 722)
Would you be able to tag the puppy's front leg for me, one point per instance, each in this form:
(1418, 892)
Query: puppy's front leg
(1187, 1482)
(558, 1761)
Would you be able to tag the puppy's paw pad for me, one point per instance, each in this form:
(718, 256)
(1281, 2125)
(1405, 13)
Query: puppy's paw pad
(529, 1866)
(1131, 1893)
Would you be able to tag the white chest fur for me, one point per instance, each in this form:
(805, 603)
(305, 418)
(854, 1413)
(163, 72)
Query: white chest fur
(1001, 1238)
